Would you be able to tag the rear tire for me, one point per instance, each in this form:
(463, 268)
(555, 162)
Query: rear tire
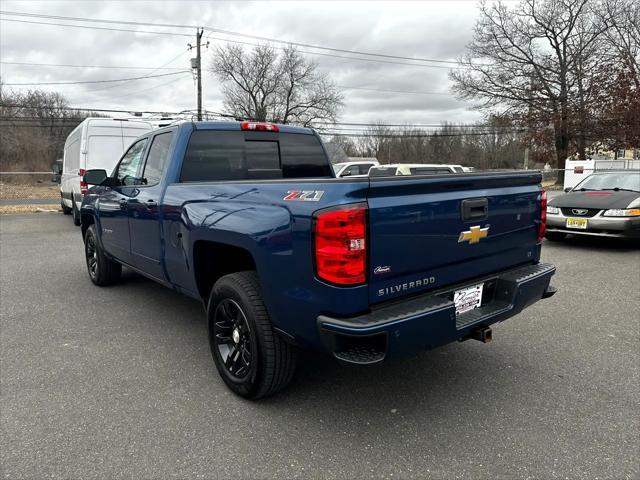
(252, 359)
(75, 212)
(102, 270)
(555, 236)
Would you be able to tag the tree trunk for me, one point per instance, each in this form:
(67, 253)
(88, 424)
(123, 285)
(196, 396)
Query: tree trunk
(562, 147)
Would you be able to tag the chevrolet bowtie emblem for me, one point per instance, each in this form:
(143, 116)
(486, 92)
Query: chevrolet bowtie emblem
(473, 235)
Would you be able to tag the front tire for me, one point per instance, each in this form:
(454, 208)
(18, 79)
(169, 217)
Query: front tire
(555, 236)
(75, 213)
(102, 270)
(252, 359)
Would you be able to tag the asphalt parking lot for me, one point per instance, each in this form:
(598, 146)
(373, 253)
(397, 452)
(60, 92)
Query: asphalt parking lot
(119, 382)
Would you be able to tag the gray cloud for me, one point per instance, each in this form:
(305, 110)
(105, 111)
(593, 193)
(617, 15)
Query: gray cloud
(438, 30)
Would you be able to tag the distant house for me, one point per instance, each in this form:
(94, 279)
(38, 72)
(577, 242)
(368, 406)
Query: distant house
(628, 153)
(599, 152)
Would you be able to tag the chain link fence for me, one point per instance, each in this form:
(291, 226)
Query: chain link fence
(29, 188)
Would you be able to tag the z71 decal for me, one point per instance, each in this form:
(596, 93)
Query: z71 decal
(304, 195)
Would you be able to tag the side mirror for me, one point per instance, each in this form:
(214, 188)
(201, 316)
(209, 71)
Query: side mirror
(346, 173)
(95, 177)
(567, 190)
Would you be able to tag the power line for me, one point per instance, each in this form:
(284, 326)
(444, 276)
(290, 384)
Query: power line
(418, 135)
(119, 85)
(97, 81)
(85, 109)
(143, 90)
(87, 66)
(344, 57)
(93, 27)
(236, 34)
(330, 49)
(346, 87)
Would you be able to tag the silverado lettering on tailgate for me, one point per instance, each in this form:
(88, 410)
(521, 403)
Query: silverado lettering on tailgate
(403, 287)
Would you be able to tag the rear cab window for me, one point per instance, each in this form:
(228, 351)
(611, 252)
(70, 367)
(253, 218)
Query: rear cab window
(215, 155)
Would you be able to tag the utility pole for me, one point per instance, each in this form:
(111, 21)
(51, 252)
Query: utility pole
(199, 71)
(196, 64)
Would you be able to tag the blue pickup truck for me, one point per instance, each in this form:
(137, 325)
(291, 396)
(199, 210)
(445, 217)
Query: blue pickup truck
(248, 218)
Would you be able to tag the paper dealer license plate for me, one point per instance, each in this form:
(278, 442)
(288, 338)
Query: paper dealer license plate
(467, 298)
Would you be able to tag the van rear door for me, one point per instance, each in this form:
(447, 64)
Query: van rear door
(107, 140)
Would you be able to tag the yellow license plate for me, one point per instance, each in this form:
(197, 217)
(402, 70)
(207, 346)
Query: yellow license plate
(580, 223)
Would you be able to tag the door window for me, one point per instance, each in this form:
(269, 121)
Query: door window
(127, 172)
(352, 170)
(157, 159)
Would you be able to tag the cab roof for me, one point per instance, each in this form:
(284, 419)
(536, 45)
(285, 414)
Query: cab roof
(233, 125)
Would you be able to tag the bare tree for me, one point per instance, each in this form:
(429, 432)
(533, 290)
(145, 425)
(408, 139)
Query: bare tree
(535, 58)
(33, 128)
(623, 16)
(266, 86)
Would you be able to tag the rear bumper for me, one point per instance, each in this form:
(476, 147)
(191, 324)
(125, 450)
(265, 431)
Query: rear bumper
(429, 320)
(622, 227)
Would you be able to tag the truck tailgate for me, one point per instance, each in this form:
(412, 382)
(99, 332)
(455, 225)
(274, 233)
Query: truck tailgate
(430, 232)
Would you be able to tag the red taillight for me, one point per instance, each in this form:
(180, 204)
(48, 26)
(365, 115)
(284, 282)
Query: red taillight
(341, 244)
(84, 188)
(259, 126)
(543, 215)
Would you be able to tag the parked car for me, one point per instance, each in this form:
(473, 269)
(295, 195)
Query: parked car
(95, 143)
(248, 219)
(605, 203)
(354, 169)
(413, 169)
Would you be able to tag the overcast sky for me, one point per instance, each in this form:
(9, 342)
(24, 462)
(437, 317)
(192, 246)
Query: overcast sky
(429, 29)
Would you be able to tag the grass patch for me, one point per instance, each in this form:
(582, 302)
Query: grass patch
(13, 209)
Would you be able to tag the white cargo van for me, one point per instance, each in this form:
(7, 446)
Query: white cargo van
(95, 143)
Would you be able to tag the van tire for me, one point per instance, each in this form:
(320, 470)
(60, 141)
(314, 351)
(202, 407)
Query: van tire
(272, 359)
(66, 210)
(75, 212)
(102, 270)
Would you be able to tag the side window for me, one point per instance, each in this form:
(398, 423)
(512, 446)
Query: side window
(352, 170)
(364, 169)
(127, 170)
(157, 159)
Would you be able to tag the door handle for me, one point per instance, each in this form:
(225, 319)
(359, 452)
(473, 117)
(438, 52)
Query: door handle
(475, 209)
(123, 204)
(151, 203)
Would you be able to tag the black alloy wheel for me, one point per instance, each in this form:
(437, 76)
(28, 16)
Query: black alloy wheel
(102, 270)
(233, 340)
(75, 213)
(91, 253)
(252, 358)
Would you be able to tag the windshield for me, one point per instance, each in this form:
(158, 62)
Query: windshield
(611, 181)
